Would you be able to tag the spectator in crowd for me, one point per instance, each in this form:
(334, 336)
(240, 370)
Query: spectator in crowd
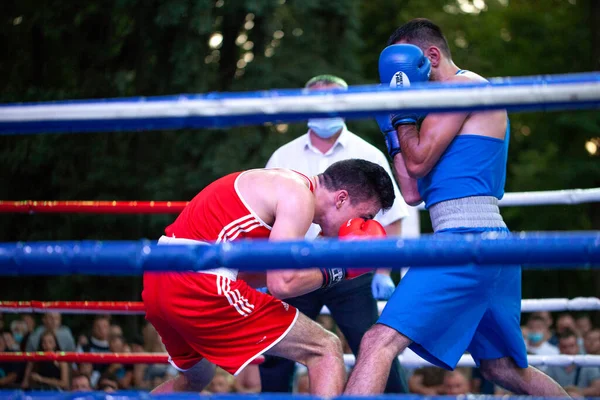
(547, 317)
(584, 324)
(108, 383)
(19, 329)
(221, 383)
(427, 381)
(82, 341)
(98, 340)
(30, 322)
(87, 369)
(1, 322)
(302, 383)
(585, 380)
(80, 383)
(248, 380)
(115, 330)
(9, 371)
(122, 372)
(563, 322)
(97, 343)
(455, 383)
(9, 340)
(139, 370)
(536, 337)
(52, 322)
(47, 375)
(591, 342)
(155, 373)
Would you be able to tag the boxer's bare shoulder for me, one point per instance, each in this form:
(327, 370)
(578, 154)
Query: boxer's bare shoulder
(267, 191)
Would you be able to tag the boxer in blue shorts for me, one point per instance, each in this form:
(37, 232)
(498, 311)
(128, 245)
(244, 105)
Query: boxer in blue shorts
(456, 164)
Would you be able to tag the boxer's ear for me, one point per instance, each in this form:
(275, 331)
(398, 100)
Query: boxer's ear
(341, 197)
(434, 54)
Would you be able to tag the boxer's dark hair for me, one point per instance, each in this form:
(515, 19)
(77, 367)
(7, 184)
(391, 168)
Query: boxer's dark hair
(422, 33)
(363, 180)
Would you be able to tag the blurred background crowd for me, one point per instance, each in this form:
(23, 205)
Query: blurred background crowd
(544, 334)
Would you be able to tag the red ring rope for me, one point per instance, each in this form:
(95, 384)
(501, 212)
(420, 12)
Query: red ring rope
(92, 206)
(75, 307)
(95, 358)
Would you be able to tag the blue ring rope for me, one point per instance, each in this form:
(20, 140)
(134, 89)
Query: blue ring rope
(532, 249)
(219, 110)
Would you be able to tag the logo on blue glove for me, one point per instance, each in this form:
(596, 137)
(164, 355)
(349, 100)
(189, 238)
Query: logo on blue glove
(399, 80)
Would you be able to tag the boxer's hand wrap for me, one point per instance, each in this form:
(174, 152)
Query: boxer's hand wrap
(331, 276)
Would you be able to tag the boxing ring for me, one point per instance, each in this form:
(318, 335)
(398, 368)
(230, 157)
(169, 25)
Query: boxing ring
(533, 250)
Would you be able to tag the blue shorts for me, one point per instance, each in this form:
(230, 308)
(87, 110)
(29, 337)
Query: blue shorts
(446, 311)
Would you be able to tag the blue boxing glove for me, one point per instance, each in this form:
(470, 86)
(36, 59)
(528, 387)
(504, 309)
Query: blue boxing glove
(389, 134)
(399, 65)
(382, 286)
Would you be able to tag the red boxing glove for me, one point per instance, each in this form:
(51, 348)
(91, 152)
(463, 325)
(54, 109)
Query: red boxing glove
(359, 229)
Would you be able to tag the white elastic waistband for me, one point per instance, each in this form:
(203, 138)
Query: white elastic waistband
(468, 212)
(226, 272)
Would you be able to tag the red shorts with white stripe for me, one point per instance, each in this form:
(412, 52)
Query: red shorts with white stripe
(201, 315)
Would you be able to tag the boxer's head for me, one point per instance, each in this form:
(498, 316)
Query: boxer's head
(351, 189)
(427, 36)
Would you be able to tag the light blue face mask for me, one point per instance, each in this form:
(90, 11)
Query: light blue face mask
(535, 337)
(18, 337)
(326, 127)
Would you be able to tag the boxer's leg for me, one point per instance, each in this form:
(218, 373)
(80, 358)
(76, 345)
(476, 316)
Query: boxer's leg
(529, 381)
(378, 348)
(321, 351)
(277, 373)
(194, 379)
(354, 310)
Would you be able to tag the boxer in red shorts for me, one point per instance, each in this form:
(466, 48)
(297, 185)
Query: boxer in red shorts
(213, 317)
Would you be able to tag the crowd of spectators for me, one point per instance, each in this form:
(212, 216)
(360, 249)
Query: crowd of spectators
(103, 336)
(543, 335)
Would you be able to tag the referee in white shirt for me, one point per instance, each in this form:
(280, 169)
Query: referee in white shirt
(352, 303)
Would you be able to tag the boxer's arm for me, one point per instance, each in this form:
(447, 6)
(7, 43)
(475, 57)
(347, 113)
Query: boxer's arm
(422, 148)
(293, 216)
(408, 184)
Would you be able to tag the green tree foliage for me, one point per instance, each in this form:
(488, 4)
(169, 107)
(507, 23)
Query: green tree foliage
(58, 49)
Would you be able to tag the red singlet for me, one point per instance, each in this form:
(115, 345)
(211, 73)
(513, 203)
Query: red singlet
(212, 314)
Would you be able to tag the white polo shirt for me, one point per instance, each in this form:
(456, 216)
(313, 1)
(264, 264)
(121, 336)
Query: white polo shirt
(302, 156)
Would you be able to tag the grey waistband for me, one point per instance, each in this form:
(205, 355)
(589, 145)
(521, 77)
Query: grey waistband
(468, 212)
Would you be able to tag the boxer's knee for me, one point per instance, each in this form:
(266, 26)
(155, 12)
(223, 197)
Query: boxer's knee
(199, 376)
(330, 345)
(384, 341)
(499, 370)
